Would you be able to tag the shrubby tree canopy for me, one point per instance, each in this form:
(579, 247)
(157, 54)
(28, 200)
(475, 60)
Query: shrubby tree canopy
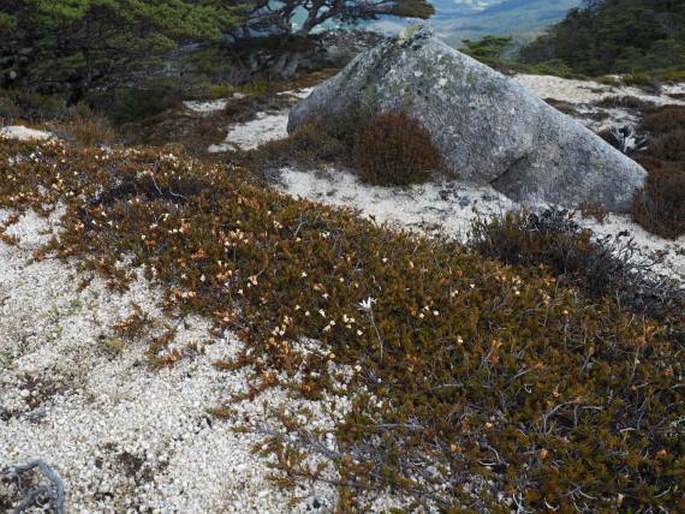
(615, 36)
(75, 45)
(282, 15)
(58, 42)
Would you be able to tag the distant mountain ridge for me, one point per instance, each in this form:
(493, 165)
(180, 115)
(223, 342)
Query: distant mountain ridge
(458, 20)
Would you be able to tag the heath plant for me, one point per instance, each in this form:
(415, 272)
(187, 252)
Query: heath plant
(474, 384)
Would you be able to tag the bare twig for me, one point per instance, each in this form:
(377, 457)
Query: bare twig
(53, 492)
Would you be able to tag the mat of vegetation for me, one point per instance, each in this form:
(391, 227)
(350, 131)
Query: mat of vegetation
(478, 385)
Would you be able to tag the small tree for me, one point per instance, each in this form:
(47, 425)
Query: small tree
(281, 15)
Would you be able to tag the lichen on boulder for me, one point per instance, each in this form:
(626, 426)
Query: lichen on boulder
(488, 129)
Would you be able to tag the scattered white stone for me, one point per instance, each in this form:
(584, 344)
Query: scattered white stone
(21, 133)
(252, 134)
(210, 106)
(450, 208)
(205, 107)
(298, 93)
(264, 128)
(446, 208)
(588, 91)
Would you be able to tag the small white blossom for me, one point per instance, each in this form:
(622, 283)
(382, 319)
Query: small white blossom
(367, 304)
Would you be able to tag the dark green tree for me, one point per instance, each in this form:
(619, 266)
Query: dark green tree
(50, 44)
(615, 36)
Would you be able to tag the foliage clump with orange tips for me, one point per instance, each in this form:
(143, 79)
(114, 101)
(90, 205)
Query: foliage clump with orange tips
(465, 370)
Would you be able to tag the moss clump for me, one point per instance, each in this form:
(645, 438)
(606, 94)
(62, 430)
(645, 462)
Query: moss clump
(468, 371)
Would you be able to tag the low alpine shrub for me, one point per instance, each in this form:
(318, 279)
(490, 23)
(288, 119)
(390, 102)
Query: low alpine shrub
(602, 267)
(664, 119)
(394, 149)
(660, 206)
(463, 371)
(669, 146)
(387, 149)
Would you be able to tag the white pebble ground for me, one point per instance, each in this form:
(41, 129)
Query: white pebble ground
(122, 436)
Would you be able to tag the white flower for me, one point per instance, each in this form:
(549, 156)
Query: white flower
(366, 305)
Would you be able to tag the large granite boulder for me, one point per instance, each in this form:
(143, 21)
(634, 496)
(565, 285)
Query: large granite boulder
(489, 129)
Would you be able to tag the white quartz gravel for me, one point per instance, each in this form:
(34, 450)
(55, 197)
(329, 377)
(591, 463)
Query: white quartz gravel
(588, 91)
(210, 106)
(446, 208)
(585, 95)
(205, 107)
(21, 133)
(122, 436)
(249, 135)
(267, 126)
(450, 208)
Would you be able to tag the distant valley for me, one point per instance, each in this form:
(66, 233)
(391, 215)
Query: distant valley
(456, 20)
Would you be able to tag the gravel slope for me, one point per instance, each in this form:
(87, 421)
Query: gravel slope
(121, 436)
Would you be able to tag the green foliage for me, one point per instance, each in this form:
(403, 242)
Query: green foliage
(555, 67)
(31, 106)
(672, 76)
(283, 15)
(7, 22)
(489, 49)
(168, 18)
(468, 371)
(393, 149)
(615, 36)
(77, 45)
(640, 79)
(412, 9)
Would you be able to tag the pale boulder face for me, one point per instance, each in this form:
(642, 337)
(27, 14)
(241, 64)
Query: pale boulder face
(489, 129)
